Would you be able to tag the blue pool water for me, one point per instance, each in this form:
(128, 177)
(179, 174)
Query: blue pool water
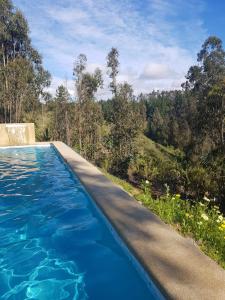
(54, 244)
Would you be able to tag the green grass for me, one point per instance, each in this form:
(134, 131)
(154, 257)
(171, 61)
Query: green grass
(149, 147)
(202, 221)
(122, 183)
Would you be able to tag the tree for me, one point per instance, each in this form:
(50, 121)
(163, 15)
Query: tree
(216, 101)
(211, 66)
(159, 128)
(113, 65)
(88, 112)
(126, 120)
(126, 125)
(62, 122)
(206, 82)
(22, 77)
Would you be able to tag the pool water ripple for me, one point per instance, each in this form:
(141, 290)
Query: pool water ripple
(53, 242)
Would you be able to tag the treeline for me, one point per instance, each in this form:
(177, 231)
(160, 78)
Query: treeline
(22, 76)
(191, 121)
(187, 125)
(103, 135)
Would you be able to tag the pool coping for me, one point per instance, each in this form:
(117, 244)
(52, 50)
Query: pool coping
(176, 264)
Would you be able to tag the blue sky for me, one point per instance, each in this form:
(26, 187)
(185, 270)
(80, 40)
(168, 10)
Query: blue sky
(157, 39)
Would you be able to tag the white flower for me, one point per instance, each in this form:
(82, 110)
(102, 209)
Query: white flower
(205, 217)
(220, 218)
(146, 181)
(206, 199)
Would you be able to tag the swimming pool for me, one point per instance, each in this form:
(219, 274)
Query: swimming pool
(54, 242)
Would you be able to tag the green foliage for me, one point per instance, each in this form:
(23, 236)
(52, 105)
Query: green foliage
(198, 181)
(157, 164)
(193, 120)
(158, 173)
(179, 118)
(43, 124)
(156, 150)
(62, 117)
(125, 127)
(125, 120)
(201, 220)
(113, 65)
(182, 150)
(124, 184)
(22, 77)
(204, 223)
(88, 115)
(203, 82)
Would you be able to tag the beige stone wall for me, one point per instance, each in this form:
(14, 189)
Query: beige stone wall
(17, 134)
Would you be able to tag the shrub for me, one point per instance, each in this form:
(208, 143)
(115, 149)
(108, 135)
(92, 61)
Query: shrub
(198, 181)
(200, 220)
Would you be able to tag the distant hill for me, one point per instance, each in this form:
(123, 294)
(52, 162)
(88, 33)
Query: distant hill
(149, 147)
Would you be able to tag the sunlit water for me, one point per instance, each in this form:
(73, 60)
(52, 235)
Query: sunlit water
(53, 243)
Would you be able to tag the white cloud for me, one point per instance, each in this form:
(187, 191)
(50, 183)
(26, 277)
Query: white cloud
(57, 81)
(66, 16)
(157, 71)
(154, 37)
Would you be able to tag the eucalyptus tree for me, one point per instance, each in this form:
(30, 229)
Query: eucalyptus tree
(22, 77)
(62, 118)
(88, 115)
(216, 103)
(126, 125)
(206, 81)
(113, 65)
(126, 120)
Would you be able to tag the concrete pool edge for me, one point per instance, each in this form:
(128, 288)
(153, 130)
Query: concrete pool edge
(180, 269)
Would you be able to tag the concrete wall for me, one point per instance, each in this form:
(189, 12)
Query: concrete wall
(17, 134)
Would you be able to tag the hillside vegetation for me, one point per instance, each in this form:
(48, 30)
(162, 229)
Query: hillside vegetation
(151, 148)
(170, 137)
(202, 222)
(171, 141)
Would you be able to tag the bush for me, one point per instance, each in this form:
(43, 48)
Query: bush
(172, 174)
(202, 221)
(157, 171)
(143, 167)
(198, 181)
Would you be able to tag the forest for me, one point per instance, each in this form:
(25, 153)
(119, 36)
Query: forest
(163, 143)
